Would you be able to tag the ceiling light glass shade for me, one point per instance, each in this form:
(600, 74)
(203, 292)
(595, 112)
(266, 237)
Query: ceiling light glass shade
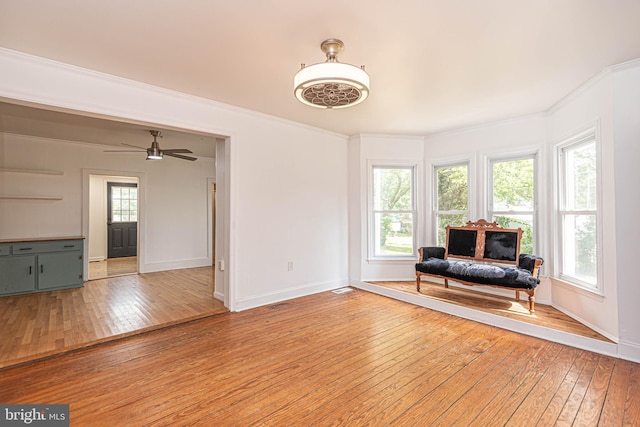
(331, 85)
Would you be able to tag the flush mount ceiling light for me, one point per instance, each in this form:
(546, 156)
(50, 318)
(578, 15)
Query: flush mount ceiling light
(331, 84)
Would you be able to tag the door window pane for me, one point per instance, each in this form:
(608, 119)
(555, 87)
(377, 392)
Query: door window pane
(124, 204)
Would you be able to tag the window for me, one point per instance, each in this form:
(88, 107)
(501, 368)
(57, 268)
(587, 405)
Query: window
(578, 211)
(451, 198)
(124, 203)
(393, 213)
(512, 197)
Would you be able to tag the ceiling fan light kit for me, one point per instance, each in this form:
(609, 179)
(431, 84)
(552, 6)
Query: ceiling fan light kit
(154, 152)
(331, 84)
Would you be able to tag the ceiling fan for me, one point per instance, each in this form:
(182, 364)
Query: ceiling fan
(155, 152)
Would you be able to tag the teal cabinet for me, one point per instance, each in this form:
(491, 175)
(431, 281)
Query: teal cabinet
(17, 274)
(59, 270)
(42, 265)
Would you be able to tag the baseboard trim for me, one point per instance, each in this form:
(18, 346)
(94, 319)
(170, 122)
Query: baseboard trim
(287, 294)
(174, 265)
(629, 351)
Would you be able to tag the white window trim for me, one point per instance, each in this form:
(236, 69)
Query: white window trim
(490, 212)
(587, 133)
(371, 257)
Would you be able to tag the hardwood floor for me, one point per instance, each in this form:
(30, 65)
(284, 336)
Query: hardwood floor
(48, 323)
(507, 307)
(113, 267)
(333, 359)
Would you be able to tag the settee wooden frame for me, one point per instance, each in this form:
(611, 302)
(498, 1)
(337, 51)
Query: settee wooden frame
(481, 226)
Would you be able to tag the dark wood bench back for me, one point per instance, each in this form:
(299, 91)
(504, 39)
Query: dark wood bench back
(484, 241)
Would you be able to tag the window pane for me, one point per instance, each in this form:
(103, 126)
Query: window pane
(125, 192)
(513, 185)
(392, 189)
(453, 220)
(452, 188)
(579, 256)
(393, 234)
(115, 192)
(133, 193)
(116, 217)
(525, 222)
(133, 216)
(580, 167)
(115, 205)
(125, 216)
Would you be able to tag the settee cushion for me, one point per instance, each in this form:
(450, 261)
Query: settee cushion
(432, 252)
(528, 262)
(485, 274)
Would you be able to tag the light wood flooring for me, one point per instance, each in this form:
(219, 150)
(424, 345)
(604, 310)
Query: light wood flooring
(350, 359)
(507, 307)
(113, 267)
(48, 323)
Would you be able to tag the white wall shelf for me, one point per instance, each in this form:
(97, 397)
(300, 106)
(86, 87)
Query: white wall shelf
(33, 171)
(31, 197)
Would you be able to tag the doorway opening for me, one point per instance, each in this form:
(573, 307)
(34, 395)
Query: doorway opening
(113, 226)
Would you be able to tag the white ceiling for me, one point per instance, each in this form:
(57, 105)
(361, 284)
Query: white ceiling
(434, 64)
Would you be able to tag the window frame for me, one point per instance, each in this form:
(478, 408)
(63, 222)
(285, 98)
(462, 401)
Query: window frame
(491, 212)
(591, 135)
(434, 201)
(371, 231)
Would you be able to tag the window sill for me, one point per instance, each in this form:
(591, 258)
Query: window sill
(594, 294)
(395, 260)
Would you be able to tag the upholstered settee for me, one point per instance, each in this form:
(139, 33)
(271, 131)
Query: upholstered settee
(482, 253)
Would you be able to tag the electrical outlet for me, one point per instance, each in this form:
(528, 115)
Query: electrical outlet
(221, 265)
(290, 265)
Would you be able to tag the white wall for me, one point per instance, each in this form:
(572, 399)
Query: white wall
(626, 111)
(365, 151)
(589, 105)
(287, 182)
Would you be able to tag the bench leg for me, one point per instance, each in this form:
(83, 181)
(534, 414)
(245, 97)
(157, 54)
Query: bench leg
(517, 295)
(532, 300)
(418, 281)
(446, 283)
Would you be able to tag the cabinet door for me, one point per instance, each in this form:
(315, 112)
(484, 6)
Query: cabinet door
(17, 274)
(59, 270)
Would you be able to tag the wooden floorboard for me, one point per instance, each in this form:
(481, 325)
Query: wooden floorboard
(502, 306)
(332, 359)
(112, 267)
(49, 323)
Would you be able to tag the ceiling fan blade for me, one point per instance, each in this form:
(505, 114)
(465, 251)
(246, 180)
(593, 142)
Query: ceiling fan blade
(176, 150)
(123, 151)
(179, 156)
(135, 146)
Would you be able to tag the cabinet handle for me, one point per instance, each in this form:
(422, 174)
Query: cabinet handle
(30, 267)
(69, 246)
(25, 249)
(41, 268)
